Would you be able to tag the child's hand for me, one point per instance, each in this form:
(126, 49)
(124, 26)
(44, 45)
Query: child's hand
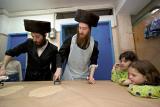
(126, 82)
(115, 66)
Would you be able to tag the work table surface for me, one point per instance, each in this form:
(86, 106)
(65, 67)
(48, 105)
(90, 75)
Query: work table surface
(74, 94)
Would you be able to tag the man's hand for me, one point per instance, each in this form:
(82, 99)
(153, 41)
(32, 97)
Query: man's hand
(57, 74)
(6, 60)
(91, 80)
(2, 71)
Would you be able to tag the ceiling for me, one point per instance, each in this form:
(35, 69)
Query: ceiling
(129, 6)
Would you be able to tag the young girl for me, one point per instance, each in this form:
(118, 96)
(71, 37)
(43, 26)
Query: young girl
(120, 71)
(145, 79)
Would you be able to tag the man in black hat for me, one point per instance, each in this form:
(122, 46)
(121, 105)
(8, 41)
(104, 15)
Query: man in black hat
(41, 63)
(80, 51)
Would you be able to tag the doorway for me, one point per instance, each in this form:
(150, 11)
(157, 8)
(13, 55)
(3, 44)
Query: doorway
(15, 39)
(102, 33)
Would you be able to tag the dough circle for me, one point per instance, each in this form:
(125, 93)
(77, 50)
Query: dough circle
(4, 91)
(45, 91)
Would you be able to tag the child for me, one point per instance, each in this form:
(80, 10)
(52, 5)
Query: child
(145, 79)
(120, 71)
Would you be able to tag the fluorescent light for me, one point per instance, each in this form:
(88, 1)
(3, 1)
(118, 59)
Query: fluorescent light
(154, 11)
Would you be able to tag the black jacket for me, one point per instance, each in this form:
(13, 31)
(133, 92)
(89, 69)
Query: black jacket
(38, 68)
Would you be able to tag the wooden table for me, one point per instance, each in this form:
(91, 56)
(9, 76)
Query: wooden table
(76, 94)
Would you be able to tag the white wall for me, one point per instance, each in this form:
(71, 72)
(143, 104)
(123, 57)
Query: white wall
(17, 23)
(126, 39)
(3, 45)
(4, 24)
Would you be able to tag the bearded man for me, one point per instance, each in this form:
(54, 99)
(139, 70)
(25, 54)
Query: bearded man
(41, 61)
(80, 51)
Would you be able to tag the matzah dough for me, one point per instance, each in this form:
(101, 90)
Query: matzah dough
(45, 91)
(10, 90)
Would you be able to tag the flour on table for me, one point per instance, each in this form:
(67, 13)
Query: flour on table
(10, 90)
(45, 91)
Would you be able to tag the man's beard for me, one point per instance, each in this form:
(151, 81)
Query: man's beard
(83, 43)
(43, 42)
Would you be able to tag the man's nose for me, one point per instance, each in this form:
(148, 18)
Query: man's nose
(34, 39)
(122, 62)
(80, 30)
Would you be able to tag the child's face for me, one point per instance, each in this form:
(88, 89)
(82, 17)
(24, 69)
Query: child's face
(124, 64)
(135, 76)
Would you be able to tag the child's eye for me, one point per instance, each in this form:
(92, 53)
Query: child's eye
(133, 75)
(125, 61)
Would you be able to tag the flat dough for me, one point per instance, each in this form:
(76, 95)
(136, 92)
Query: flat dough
(45, 91)
(10, 90)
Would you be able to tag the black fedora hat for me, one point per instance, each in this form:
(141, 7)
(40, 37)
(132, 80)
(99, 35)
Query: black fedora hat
(37, 26)
(86, 17)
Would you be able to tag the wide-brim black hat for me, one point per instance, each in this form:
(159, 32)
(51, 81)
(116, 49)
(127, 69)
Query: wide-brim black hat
(86, 17)
(37, 26)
